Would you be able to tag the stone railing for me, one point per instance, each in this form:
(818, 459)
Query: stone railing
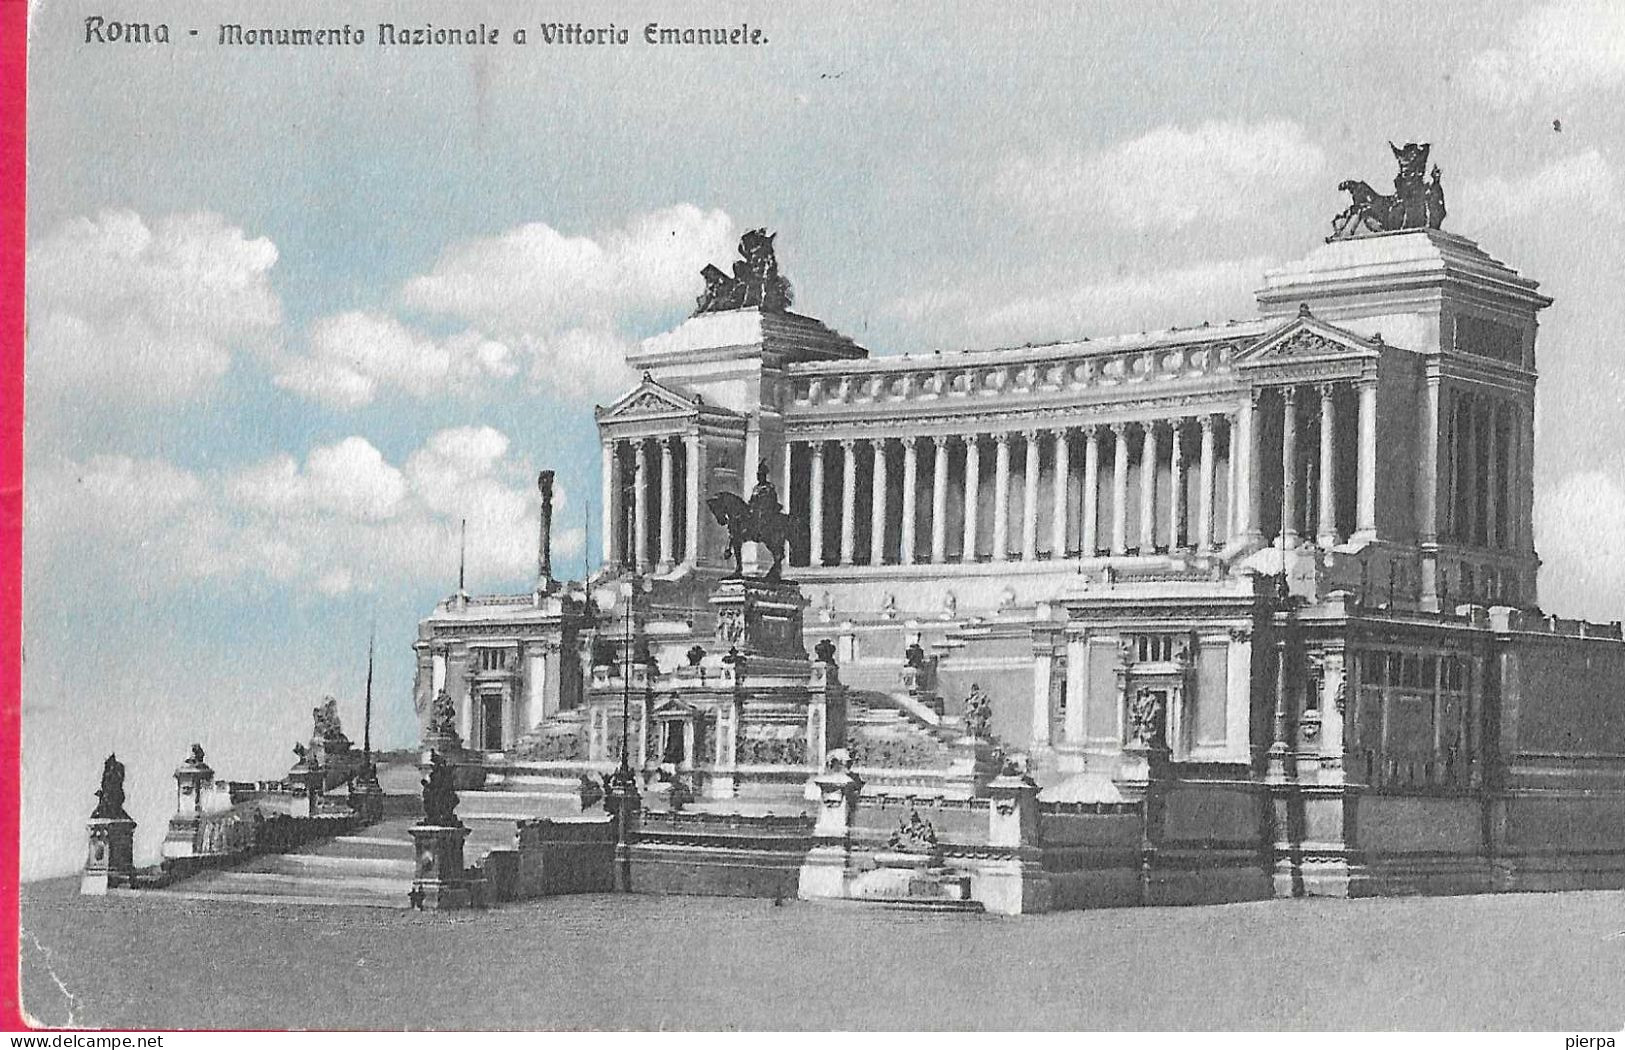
(1045, 370)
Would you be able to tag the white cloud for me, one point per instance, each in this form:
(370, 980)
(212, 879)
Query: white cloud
(1103, 306)
(1580, 533)
(353, 355)
(122, 311)
(560, 310)
(343, 519)
(1167, 178)
(1576, 184)
(1554, 53)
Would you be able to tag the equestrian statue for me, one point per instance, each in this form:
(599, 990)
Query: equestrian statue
(1417, 202)
(760, 519)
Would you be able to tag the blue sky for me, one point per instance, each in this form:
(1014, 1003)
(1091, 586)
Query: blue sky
(294, 313)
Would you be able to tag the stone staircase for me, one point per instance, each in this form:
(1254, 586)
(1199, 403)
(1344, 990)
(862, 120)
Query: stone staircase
(371, 868)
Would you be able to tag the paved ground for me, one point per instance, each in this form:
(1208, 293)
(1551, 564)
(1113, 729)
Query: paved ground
(1543, 961)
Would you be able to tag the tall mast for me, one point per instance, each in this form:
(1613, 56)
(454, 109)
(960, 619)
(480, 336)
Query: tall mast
(366, 730)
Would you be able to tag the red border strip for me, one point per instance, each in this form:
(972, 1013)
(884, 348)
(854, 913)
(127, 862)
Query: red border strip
(13, 118)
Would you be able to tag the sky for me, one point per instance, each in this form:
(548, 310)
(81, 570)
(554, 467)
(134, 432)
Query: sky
(295, 313)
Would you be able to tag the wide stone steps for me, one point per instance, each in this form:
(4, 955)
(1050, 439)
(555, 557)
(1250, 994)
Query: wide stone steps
(371, 867)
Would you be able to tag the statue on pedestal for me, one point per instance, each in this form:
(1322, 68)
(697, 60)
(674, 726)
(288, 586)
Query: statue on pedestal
(978, 717)
(440, 794)
(110, 796)
(443, 716)
(914, 835)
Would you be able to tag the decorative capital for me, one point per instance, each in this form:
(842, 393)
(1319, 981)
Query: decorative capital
(909, 441)
(1119, 428)
(848, 444)
(1206, 421)
(1001, 438)
(1289, 395)
(1326, 390)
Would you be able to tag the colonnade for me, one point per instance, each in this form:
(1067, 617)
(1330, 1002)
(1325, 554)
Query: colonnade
(656, 531)
(1487, 463)
(937, 510)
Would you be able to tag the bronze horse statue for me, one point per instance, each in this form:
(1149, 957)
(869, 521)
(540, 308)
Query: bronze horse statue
(767, 525)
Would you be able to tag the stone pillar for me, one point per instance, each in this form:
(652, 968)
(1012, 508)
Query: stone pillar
(1366, 518)
(668, 505)
(1427, 464)
(694, 511)
(1119, 489)
(110, 856)
(440, 876)
(973, 482)
(1029, 496)
(911, 484)
(1289, 466)
(1204, 494)
(1492, 469)
(1176, 476)
(1089, 542)
(1333, 703)
(1001, 495)
(849, 499)
(1016, 883)
(1077, 695)
(1328, 536)
(610, 505)
(1043, 666)
(877, 503)
(1148, 487)
(788, 479)
(1248, 496)
(824, 871)
(939, 500)
(1526, 486)
(815, 506)
(1060, 489)
(640, 505)
(1470, 470)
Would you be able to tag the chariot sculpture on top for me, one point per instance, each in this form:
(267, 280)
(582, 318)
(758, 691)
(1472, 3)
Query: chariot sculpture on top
(1417, 202)
(756, 280)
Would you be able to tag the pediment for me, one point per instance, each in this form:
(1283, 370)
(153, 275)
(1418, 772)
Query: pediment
(672, 707)
(1308, 340)
(652, 399)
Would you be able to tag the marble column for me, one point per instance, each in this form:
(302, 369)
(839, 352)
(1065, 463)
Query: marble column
(640, 505)
(1205, 481)
(1148, 487)
(1469, 469)
(911, 483)
(610, 503)
(1289, 466)
(1366, 492)
(1328, 536)
(1176, 481)
(939, 500)
(973, 482)
(691, 481)
(1060, 489)
(849, 499)
(1029, 500)
(815, 506)
(1119, 488)
(1248, 496)
(1492, 468)
(1001, 495)
(877, 502)
(788, 479)
(1089, 542)
(668, 505)
(1427, 465)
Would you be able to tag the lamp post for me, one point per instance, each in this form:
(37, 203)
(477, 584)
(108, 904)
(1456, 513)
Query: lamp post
(621, 794)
